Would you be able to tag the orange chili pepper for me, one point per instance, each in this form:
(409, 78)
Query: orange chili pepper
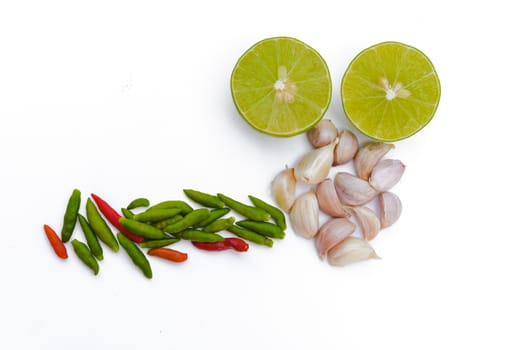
(56, 242)
(168, 254)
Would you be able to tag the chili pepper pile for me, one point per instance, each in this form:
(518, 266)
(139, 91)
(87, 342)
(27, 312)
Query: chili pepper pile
(165, 224)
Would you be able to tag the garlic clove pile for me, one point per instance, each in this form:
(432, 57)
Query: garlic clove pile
(351, 250)
(390, 208)
(304, 215)
(352, 190)
(322, 134)
(331, 233)
(346, 148)
(368, 156)
(328, 200)
(368, 220)
(283, 188)
(386, 174)
(314, 166)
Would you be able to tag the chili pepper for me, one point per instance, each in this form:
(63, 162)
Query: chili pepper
(248, 211)
(237, 244)
(136, 255)
(205, 199)
(127, 213)
(100, 227)
(191, 219)
(185, 208)
(219, 225)
(91, 239)
(84, 254)
(214, 215)
(200, 236)
(264, 228)
(71, 212)
(276, 214)
(212, 247)
(112, 216)
(164, 223)
(156, 214)
(56, 243)
(142, 229)
(137, 203)
(157, 243)
(168, 254)
(250, 236)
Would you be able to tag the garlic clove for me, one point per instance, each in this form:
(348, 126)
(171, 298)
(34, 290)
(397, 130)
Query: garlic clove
(315, 165)
(322, 134)
(331, 233)
(386, 174)
(368, 156)
(328, 200)
(390, 208)
(346, 148)
(368, 220)
(352, 190)
(283, 188)
(304, 215)
(350, 250)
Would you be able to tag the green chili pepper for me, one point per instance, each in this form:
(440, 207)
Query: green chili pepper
(91, 239)
(100, 227)
(127, 213)
(142, 229)
(200, 236)
(84, 254)
(185, 208)
(156, 214)
(191, 219)
(136, 255)
(264, 228)
(250, 236)
(70, 215)
(276, 214)
(205, 199)
(219, 225)
(248, 211)
(164, 223)
(214, 215)
(157, 243)
(137, 203)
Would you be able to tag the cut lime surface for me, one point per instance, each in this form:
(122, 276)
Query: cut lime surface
(281, 86)
(390, 91)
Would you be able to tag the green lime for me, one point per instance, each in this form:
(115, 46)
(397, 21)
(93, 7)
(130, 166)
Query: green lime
(390, 91)
(281, 86)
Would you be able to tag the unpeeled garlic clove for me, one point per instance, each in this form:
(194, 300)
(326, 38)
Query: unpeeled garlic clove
(390, 208)
(328, 200)
(283, 188)
(368, 220)
(386, 174)
(368, 156)
(352, 190)
(315, 165)
(331, 233)
(304, 215)
(322, 134)
(350, 250)
(346, 148)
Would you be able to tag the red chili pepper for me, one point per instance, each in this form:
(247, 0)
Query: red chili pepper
(237, 244)
(213, 247)
(168, 254)
(57, 244)
(113, 217)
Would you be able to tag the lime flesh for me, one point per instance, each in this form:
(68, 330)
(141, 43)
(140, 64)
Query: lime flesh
(281, 86)
(390, 91)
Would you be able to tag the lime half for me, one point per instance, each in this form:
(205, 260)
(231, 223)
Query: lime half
(390, 91)
(281, 86)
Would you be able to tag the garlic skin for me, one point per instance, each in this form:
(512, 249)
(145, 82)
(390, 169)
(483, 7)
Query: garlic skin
(368, 220)
(352, 190)
(390, 208)
(346, 148)
(328, 200)
(304, 215)
(386, 174)
(315, 165)
(351, 250)
(368, 156)
(283, 188)
(331, 233)
(322, 134)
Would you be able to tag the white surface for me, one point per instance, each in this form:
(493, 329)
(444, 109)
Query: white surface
(129, 98)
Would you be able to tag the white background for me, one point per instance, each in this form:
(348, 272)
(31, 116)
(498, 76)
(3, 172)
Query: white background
(131, 98)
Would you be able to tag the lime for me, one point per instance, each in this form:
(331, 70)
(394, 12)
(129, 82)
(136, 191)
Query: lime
(390, 91)
(281, 86)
